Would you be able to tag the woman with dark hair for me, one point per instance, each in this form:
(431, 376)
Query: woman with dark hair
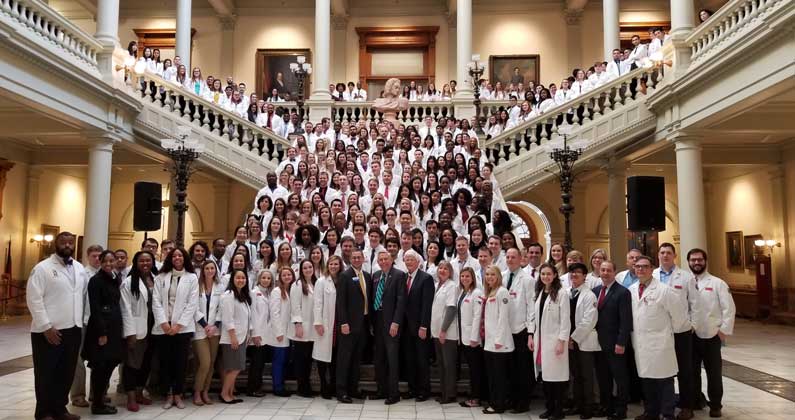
(175, 299)
(508, 240)
(549, 340)
(132, 49)
(448, 237)
(260, 330)
(252, 112)
(501, 222)
(704, 14)
(235, 322)
(208, 334)
(324, 314)
(137, 319)
(557, 258)
(265, 256)
(102, 347)
(301, 330)
(306, 236)
(477, 239)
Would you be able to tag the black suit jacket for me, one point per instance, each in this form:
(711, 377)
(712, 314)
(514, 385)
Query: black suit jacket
(418, 303)
(350, 301)
(615, 317)
(393, 301)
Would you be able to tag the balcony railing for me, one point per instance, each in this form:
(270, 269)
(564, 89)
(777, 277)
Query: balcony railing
(51, 26)
(726, 24)
(211, 118)
(354, 112)
(575, 113)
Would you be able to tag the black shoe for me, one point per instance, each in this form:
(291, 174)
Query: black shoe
(571, 411)
(545, 415)
(586, 415)
(305, 394)
(345, 399)
(357, 395)
(519, 410)
(256, 394)
(103, 410)
(377, 396)
(715, 412)
(616, 417)
(393, 400)
(421, 398)
(282, 393)
(325, 396)
(492, 410)
(232, 401)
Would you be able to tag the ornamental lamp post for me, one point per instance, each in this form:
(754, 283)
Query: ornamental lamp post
(301, 69)
(476, 70)
(183, 151)
(565, 155)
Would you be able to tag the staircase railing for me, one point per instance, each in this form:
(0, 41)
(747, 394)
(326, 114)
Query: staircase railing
(575, 113)
(725, 25)
(38, 16)
(211, 118)
(354, 112)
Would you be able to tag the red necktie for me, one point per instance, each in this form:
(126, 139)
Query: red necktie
(270, 116)
(602, 297)
(640, 290)
(386, 192)
(464, 214)
(408, 284)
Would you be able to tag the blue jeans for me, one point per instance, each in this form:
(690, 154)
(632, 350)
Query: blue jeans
(279, 363)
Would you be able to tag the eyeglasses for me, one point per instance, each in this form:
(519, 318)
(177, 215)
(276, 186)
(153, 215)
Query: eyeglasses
(642, 267)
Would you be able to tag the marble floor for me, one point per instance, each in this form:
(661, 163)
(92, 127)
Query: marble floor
(764, 348)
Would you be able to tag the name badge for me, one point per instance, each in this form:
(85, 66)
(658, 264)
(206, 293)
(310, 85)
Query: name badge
(492, 299)
(677, 286)
(513, 294)
(355, 279)
(467, 300)
(709, 289)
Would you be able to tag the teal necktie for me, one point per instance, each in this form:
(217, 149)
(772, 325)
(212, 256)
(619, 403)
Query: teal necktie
(379, 293)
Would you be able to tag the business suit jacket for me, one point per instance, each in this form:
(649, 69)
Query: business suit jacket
(615, 317)
(418, 302)
(393, 301)
(350, 301)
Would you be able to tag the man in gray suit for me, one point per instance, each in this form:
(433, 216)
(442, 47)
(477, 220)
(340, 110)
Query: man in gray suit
(388, 306)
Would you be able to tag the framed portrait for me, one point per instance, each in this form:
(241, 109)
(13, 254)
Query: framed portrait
(514, 69)
(49, 248)
(734, 250)
(748, 250)
(273, 72)
(646, 242)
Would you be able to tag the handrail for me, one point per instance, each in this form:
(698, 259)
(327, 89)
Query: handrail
(210, 117)
(52, 25)
(585, 107)
(723, 23)
(416, 112)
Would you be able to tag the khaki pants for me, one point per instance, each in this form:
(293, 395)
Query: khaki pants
(205, 351)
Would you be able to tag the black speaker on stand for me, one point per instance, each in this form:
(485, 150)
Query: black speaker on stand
(645, 205)
(148, 207)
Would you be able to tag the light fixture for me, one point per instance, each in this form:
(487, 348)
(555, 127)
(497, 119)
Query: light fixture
(183, 150)
(301, 69)
(42, 240)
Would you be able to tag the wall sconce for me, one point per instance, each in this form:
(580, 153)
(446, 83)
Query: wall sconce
(765, 247)
(42, 240)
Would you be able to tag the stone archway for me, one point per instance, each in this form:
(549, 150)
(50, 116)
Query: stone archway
(538, 225)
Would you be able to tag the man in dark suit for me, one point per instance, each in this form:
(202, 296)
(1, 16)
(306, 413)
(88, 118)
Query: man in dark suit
(353, 305)
(416, 340)
(387, 306)
(613, 328)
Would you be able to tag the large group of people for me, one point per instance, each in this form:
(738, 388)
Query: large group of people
(386, 244)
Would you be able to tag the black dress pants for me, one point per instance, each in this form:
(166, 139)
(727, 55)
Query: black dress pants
(554, 394)
(581, 364)
(610, 368)
(416, 354)
(53, 371)
(349, 350)
(707, 351)
(497, 366)
(386, 359)
(100, 378)
(478, 385)
(520, 374)
(174, 361)
(257, 356)
(683, 345)
(302, 362)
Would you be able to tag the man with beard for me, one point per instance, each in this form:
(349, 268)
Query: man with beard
(217, 255)
(713, 322)
(273, 189)
(55, 299)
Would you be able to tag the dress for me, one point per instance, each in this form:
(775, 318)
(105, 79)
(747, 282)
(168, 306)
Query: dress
(104, 298)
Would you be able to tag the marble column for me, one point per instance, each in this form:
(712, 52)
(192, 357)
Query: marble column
(617, 209)
(321, 62)
(611, 30)
(574, 38)
(339, 49)
(690, 193)
(108, 35)
(463, 48)
(228, 49)
(183, 32)
(683, 17)
(100, 161)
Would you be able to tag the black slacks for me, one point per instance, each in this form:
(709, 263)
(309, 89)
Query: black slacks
(658, 397)
(327, 371)
(612, 367)
(257, 356)
(683, 345)
(581, 366)
(416, 355)
(100, 378)
(478, 384)
(707, 351)
(497, 367)
(520, 375)
(554, 393)
(349, 350)
(635, 385)
(447, 355)
(53, 371)
(386, 358)
(302, 363)
(174, 361)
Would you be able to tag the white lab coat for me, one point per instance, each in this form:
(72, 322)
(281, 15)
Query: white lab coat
(260, 315)
(555, 325)
(301, 311)
(53, 299)
(211, 316)
(585, 316)
(684, 286)
(134, 312)
(235, 315)
(497, 322)
(280, 318)
(521, 298)
(185, 304)
(471, 311)
(324, 307)
(445, 296)
(653, 318)
(716, 307)
(581, 87)
(470, 262)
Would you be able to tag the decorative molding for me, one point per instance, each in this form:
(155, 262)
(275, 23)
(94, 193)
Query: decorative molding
(452, 20)
(5, 166)
(573, 17)
(227, 23)
(339, 22)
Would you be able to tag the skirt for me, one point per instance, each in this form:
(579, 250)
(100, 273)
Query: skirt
(233, 359)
